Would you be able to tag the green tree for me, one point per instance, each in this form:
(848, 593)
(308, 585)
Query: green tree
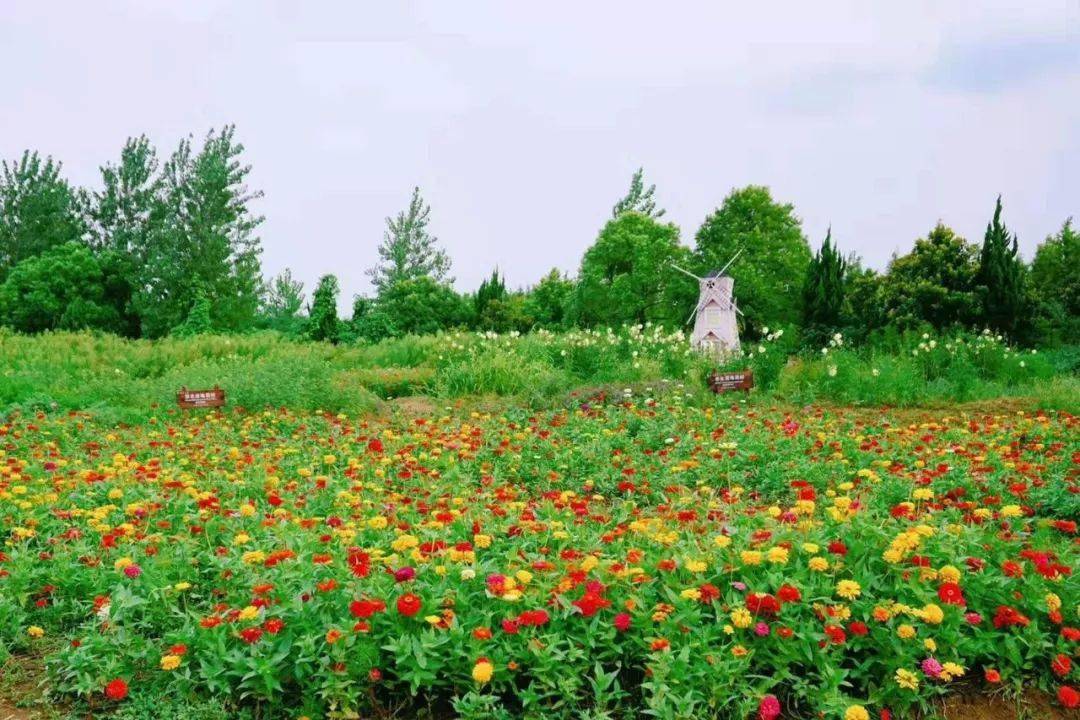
(282, 302)
(1000, 277)
(1055, 285)
(548, 301)
(322, 318)
(38, 210)
(770, 271)
(824, 294)
(408, 251)
(492, 289)
(865, 296)
(627, 275)
(121, 214)
(61, 288)
(638, 198)
(420, 306)
(934, 283)
(197, 321)
(202, 233)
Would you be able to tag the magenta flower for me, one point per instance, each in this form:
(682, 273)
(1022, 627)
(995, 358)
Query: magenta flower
(762, 629)
(133, 571)
(931, 667)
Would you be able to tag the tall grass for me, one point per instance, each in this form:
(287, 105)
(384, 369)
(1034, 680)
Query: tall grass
(126, 380)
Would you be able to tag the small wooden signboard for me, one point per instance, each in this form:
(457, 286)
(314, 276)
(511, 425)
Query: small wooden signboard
(723, 382)
(188, 399)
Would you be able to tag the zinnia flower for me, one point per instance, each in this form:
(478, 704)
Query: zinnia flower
(483, 670)
(769, 708)
(1068, 697)
(409, 604)
(116, 690)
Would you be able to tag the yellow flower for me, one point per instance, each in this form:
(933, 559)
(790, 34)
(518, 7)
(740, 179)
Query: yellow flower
(249, 613)
(930, 645)
(741, 617)
(818, 564)
(34, 631)
(123, 562)
(848, 589)
(170, 662)
(810, 548)
(905, 631)
(182, 586)
(778, 555)
(856, 712)
(404, 542)
(691, 594)
(949, 574)
(907, 679)
(952, 670)
(697, 566)
(750, 557)
(721, 541)
(482, 671)
(1011, 511)
(932, 614)
(1053, 602)
(481, 541)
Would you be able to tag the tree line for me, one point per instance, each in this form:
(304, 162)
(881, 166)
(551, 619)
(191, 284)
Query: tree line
(170, 246)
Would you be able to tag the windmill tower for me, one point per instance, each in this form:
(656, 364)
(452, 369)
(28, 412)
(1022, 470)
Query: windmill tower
(715, 328)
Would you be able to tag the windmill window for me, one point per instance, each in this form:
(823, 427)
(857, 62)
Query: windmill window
(712, 316)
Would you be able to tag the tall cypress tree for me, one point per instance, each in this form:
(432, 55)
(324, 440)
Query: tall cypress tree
(824, 293)
(638, 199)
(1000, 277)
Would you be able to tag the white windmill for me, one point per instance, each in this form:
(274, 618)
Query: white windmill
(715, 328)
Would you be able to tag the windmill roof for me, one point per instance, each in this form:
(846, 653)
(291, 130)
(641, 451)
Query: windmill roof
(716, 273)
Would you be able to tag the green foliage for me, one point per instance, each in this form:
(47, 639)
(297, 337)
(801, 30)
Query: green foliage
(202, 233)
(627, 275)
(638, 198)
(322, 319)
(124, 214)
(62, 288)
(282, 303)
(1054, 283)
(769, 273)
(491, 289)
(422, 305)
(934, 283)
(1000, 277)
(197, 321)
(548, 302)
(408, 251)
(824, 294)
(865, 295)
(38, 210)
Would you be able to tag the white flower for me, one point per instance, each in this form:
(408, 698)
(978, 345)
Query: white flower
(824, 351)
(875, 372)
(1022, 364)
(832, 371)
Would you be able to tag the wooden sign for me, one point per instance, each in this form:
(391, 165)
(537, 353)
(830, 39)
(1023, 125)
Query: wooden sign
(188, 399)
(723, 382)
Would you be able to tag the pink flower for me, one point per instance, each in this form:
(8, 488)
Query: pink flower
(405, 573)
(133, 571)
(769, 708)
(931, 667)
(973, 618)
(762, 629)
(622, 622)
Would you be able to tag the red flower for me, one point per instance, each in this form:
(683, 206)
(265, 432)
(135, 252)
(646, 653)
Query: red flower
(1068, 697)
(251, 635)
(992, 676)
(788, 594)
(858, 628)
(274, 625)
(762, 604)
(951, 594)
(768, 708)
(1061, 665)
(622, 622)
(116, 690)
(837, 548)
(709, 592)
(1006, 616)
(533, 618)
(836, 634)
(590, 603)
(408, 604)
(366, 608)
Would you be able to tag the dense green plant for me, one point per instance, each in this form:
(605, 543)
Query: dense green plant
(824, 294)
(548, 302)
(408, 251)
(422, 305)
(769, 272)
(38, 209)
(1000, 277)
(638, 198)
(282, 303)
(492, 289)
(323, 320)
(934, 283)
(1054, 283)
(197, 321)
(627, 276)
(62, 288)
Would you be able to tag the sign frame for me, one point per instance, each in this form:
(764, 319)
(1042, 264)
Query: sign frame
(724, 382)
(198, 399)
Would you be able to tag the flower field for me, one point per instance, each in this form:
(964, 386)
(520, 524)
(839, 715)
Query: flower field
(622, 557)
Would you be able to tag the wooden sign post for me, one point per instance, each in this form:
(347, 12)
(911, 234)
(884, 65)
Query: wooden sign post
(189, 399)
(723, 382)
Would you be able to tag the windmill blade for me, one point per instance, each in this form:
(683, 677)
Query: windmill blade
(685, 272)
(730, 261)
(692, 314)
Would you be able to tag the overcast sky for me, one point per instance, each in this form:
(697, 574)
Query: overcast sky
(522, 122)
